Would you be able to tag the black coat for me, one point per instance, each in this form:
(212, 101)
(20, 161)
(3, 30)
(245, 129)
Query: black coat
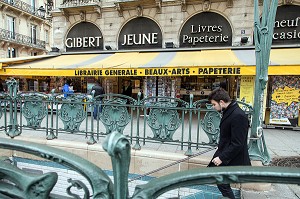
(99, 90)
(127, 91)
(232, 148)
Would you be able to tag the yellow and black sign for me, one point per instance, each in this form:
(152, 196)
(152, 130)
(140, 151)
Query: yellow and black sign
(105, 72)
(159, 71)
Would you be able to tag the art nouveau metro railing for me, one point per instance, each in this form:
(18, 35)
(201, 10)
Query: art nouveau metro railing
(16, 183)
(54, 115)
(166, 120)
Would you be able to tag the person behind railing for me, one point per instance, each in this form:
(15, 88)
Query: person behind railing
(66, 88)
(232, 148)
(1, 86)
(127, 89)
(99, 90)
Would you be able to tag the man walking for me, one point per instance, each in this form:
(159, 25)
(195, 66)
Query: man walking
(232, 148)
(99, 90)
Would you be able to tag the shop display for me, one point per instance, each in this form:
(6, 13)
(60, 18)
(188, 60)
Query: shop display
(285, 97)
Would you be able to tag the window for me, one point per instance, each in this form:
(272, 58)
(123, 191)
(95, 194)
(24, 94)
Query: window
(33, 34)
(33, 5)
(47, 36)
(11, 21)
(11, 52)
(10, 2)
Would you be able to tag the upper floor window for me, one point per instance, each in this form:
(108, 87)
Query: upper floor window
(12, 52)
(11, 23)
(33, 33)
(47, 36)
(32, 3)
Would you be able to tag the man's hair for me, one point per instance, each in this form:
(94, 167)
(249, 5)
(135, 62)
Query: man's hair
(219, 94)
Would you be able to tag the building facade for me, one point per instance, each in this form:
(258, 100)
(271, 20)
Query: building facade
(24, 29)
(167, 48)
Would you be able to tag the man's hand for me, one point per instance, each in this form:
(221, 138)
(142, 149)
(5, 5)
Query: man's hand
(217, 161)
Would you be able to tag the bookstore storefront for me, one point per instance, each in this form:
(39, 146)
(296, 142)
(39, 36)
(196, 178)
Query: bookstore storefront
(175, 72)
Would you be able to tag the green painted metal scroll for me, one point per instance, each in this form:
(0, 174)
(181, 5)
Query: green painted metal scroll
(263, 35)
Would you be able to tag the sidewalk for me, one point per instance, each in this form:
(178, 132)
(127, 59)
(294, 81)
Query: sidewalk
(280, 143)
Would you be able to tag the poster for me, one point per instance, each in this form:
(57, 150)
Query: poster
(247, 89)
(285, 100)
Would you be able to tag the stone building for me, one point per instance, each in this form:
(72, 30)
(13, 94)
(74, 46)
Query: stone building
(164, 47)
(24, 29)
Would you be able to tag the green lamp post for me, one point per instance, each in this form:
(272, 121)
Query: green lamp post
(263, 32)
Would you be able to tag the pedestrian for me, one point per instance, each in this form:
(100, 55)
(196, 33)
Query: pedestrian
(127, 89)
(66, 88)
(99, 90)
(1, 86)
(232, 147)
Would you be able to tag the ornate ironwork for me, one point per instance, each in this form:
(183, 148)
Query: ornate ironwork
(34, 108)
(216, 175)
(21, 39)
(263, 35)
(163, 121)
(211, 125)
(118, 148)
(20, 184)
(114, 115)
(25, 7)
(17, 183)
(72, 113)
(79, 185)
(101, 184)
(74, 3)
(13, 127)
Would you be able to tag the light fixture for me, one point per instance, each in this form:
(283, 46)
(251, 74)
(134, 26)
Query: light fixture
(54, 49)
(108, 47)
(244, 40)
(42, 11)
(169, 44)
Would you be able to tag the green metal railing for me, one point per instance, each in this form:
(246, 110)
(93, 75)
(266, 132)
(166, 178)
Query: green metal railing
(19, 184)
(193, 124)
(168, 120)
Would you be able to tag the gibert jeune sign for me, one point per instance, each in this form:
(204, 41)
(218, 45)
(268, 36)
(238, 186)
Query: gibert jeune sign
(204, 30)
(140, 33)
(84, 36)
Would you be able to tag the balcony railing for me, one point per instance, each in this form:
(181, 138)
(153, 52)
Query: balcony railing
(73, 3)
(26, 7)
(21, 39)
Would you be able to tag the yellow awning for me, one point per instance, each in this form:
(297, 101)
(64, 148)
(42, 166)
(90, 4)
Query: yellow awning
(175, 63)
(18, 60)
